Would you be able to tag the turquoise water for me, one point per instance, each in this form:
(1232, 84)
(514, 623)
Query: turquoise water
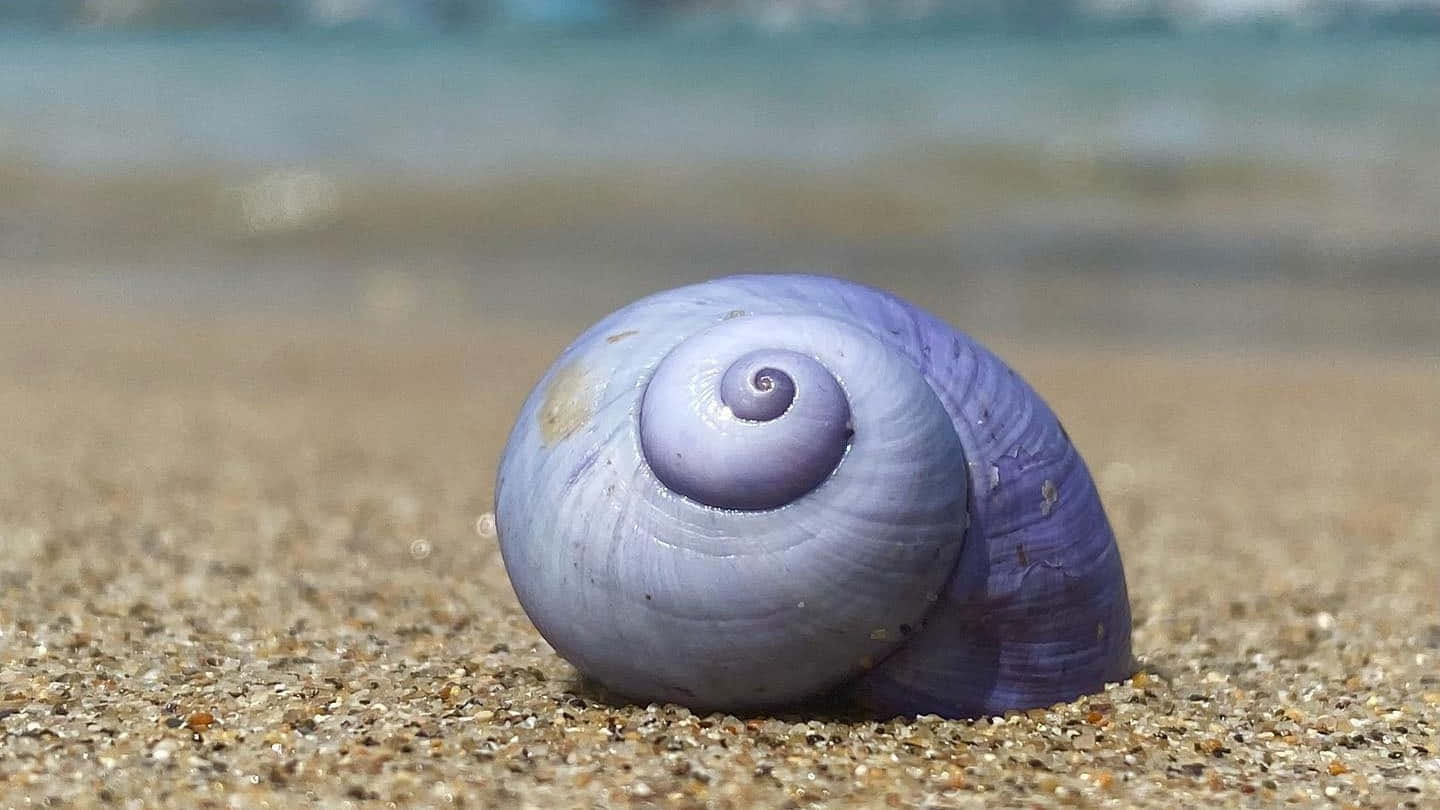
(554, 176)
(480, 104)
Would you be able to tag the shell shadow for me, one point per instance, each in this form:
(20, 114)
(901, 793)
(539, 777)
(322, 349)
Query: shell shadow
(839, 706)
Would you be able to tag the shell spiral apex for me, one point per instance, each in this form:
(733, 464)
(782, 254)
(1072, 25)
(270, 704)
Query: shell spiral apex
(762, 489)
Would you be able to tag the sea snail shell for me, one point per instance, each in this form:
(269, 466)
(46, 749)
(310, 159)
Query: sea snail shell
(762, 489)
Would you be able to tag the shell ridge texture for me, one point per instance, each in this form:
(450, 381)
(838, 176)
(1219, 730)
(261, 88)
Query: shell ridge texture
(756, 490)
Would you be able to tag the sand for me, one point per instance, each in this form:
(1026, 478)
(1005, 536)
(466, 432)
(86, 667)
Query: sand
(246, 564)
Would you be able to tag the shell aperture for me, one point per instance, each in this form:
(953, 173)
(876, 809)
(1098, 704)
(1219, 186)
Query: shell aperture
(783, 487)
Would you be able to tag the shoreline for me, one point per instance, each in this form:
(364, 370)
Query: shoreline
(1116, 311)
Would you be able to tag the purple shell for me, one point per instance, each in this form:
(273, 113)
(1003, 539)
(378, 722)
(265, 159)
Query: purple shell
(761, 489)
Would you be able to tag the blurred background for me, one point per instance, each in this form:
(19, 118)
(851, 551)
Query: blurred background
(1220, 174)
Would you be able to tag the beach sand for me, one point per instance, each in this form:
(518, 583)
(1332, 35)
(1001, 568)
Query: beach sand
(246, 564)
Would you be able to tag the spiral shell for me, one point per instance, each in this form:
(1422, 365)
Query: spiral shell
(762, 489)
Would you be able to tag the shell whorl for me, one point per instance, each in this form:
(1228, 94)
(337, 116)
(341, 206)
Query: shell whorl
(753, 431)
(756, 388)
(752, 491)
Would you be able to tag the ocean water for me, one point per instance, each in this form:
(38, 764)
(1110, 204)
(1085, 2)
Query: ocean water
(524, 173)
(480, 104)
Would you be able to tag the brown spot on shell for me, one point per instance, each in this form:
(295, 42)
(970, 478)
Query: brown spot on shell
(567, 405)
(734, 313)
(619, 336)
